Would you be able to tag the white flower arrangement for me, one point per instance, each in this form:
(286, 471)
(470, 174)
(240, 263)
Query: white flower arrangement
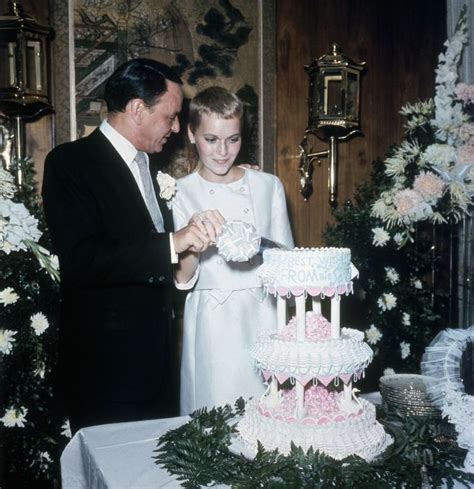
(6, 341)
(423, 176)
(373, 335)
(17, 226)
(167, 186)
(404, 350)
(14, 417)
(8, 296)
(39, 323)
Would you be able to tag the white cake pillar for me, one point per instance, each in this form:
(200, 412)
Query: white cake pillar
(335, 316)
(281, 313)
(300, 317)
(299, 400)
(316, 305)
(348, 391)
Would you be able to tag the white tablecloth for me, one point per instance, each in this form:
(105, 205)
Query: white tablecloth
(117, 456)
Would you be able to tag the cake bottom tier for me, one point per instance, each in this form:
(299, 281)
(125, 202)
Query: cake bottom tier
(361, 435)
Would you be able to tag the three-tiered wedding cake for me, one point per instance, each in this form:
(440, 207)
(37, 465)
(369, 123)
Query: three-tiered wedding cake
(310, 363)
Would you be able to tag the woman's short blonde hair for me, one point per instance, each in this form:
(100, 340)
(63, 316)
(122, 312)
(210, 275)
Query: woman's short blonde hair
(214, 100)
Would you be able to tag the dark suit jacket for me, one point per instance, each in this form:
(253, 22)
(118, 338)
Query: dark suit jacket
(116, 274)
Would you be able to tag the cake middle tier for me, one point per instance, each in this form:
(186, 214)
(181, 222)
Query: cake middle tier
(324, 359)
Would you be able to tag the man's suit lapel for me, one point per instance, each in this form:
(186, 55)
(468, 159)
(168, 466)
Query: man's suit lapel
(120, 177)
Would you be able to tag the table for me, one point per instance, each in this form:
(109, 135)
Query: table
(117, 456)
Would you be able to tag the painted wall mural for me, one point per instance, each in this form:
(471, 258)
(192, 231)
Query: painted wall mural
(208, 42)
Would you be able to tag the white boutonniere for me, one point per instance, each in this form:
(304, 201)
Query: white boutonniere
(167, 187)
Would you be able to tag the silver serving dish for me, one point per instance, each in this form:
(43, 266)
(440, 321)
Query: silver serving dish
(408, 394)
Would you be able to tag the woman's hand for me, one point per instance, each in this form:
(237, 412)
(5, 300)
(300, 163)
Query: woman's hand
(208, 222)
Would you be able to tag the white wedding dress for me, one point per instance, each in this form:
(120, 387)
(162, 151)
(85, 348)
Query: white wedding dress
(227, 307)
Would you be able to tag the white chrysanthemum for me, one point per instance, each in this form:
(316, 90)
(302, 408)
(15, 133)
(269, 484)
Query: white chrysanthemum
(39, 323)
(15, 417)
(392, 275)
(373, 335)
(406, 319)
(66, 429)
(380, 209)
(417, 284)
(7, 184)
(8, 296)
(6, 340)
(387, 301)
(380, 237)
(439, 155)
(404, 350)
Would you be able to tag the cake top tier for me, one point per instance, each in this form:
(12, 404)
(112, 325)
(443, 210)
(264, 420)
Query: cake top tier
(316, 271)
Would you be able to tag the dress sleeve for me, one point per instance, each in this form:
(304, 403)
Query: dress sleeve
(181, 219)
(281, 229)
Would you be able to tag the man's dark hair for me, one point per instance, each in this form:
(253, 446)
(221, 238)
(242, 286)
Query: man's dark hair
(138, 78)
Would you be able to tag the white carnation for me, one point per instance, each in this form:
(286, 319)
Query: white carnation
(14, 417)
(167, 185)
(39, 323)
(8, 296)
(6, 340)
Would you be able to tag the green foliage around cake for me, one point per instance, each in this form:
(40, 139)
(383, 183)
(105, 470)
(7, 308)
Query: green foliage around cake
(198, 454)
(32, 430)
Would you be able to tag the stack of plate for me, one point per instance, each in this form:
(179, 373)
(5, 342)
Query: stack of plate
(408, 394)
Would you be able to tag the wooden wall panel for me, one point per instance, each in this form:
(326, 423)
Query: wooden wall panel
(399, 41)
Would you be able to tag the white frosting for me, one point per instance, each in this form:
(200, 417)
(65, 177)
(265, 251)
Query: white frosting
(316, 271)
(358, 435)
(238, 241)
(323, 359)
(309, 349)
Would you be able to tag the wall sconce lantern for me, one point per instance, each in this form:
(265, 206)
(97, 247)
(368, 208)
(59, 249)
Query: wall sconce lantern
(24, 61)
(333, 109)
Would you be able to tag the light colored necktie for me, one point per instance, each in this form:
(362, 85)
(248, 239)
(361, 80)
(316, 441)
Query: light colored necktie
(150, 198)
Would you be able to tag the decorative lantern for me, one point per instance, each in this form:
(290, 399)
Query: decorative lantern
(333, 109)
(24, 61)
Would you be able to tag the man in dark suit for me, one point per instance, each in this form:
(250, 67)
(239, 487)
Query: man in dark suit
(113, 235)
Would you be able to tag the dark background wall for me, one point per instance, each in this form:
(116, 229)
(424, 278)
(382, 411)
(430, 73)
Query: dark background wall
(400, 42)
